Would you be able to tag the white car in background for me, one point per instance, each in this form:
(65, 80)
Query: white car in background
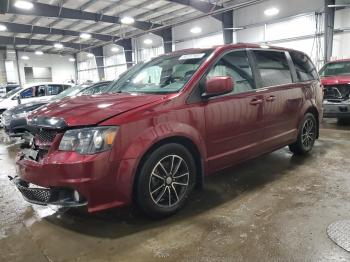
(31, 93)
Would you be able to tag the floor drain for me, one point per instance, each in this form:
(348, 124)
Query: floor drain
(339, 232)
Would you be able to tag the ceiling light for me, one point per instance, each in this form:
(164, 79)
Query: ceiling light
(71, 59)
(24, 5)
(58, 45)
(3, 28)
(196, 30)
(127, 20)
(90, 55)
(38, 52)
(85, 35)
(24, 57)
(271, 11)
(114, 49)
(148, 41)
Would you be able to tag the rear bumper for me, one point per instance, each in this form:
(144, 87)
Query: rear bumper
(336, 110)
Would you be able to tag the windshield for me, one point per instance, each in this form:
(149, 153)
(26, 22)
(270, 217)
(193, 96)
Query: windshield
(69, 92)
(335, 69)
(165, 74)
(9, 94)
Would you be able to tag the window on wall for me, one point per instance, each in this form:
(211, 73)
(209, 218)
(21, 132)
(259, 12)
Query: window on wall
(235, 65)
(87, 71)
(115, 66)
(273, 67)
(149, 53)
(305, 69)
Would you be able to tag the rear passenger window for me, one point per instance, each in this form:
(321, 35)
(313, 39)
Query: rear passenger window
(305, 69)
(236, 65)
(273, 67)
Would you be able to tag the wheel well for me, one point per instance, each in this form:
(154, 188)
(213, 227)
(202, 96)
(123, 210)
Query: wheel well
(188, 144)
(313, 110)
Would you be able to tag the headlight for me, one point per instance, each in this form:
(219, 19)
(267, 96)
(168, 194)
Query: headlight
(88, 140)
(20, 115)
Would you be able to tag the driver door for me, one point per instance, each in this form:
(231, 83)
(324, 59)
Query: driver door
(233, 121)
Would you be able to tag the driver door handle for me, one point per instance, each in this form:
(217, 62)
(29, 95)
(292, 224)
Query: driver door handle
(271, 99)
(256, 101)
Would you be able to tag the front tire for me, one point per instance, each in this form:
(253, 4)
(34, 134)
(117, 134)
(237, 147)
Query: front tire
(306, 137)
(165, 181)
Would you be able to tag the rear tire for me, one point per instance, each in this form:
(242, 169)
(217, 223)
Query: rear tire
(306, 137)
(166, 180)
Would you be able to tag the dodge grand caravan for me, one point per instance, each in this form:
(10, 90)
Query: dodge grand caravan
(163, 126)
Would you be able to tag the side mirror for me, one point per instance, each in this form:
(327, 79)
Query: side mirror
(218, 85)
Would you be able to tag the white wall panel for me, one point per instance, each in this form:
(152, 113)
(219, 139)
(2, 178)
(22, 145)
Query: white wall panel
(294, 27)
(62, 69)
(202, 42)
(251, 35)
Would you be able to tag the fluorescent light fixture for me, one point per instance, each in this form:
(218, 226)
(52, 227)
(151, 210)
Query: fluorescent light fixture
(38, 52)
(90, 55)
(24, 57)
(196, 30)
(3, 28)
(58, 45)
(148, 41)
(85, 35)
(71, 59)
(271, 11)
(127, 20)
(115, 49)
(24, 5)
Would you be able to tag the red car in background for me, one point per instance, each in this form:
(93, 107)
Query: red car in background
(335, 77)
(165, 125)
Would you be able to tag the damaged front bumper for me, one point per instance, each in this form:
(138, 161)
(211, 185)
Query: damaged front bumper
(48, 196)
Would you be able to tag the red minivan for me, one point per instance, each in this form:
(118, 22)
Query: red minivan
(166, 124)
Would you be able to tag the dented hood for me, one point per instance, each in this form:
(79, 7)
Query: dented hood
(91, 110)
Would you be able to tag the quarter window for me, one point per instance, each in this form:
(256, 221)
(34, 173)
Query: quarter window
(235, 65)
(305, 69)
(273, 67)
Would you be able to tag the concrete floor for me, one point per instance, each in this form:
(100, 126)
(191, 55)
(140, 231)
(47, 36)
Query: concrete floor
(274, 208)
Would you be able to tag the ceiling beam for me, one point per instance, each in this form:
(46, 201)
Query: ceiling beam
(7, 40)
(46, 10)
(32, 29)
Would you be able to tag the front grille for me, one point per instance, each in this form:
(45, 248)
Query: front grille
(46, 136)
(337, 92)
(35, 195)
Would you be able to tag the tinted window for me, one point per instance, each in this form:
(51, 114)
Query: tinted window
(54, 89)
(273, 67)
(305, 69)
(236, 65)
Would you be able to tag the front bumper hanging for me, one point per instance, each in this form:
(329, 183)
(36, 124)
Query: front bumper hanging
(48, 196)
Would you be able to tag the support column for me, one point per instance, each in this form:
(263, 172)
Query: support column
(328, 29)
(127, 45)
(227, 22)
(3, 6)
(76, 68)
(98, 53)
(167, 36)
(18, 70)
